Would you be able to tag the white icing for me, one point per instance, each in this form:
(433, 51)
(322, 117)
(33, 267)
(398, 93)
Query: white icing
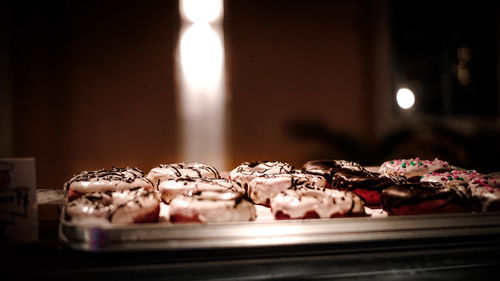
(412, 167)
(486, 189)
(263, 188)
(452, 177)
(326, 203)
(109, 180)
(212, 206)
(246, 172)
(180, 170)
(171, 188)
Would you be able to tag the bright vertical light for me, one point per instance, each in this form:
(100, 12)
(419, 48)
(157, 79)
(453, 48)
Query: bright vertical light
(202, 82)
(201, 56)
(405, 98)
(205, 11)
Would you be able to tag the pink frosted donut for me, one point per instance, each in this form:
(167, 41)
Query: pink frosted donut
(247, 171)
(414, 167)
(116, 179)
(171, 188)
(487, 191)
(119, 207)
(211, 206)
(262, 189)
(172, 171)
(305, 203)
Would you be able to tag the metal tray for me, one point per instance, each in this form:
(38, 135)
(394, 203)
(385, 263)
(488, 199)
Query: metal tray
(190, 236)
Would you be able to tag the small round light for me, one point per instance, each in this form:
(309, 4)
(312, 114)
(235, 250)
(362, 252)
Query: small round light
(405, 98)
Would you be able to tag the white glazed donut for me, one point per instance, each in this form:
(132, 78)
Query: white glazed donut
(116, 179)
(487, 191)
(305, 203)
(171, 188)
(136, 205)
(452, 177)
(172, 171)
(413, 167)
(247, 171)
(262, 189)
(211, 206)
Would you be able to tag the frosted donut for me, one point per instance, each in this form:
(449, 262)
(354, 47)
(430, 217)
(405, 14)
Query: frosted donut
(413, 167)
(452, 177)
(116, 179)
(368, 185)
(486, 190)
(171, 171)
(425, 198)
(262, 189)
(307, 203)
(327, 168)
(211, 206)
(247, 171)
(120, 207)
(171, 188)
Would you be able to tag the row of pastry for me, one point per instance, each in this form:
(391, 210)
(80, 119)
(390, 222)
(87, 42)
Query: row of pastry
(320, 189)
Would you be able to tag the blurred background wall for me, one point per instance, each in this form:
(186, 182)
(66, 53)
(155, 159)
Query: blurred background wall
(94, 84)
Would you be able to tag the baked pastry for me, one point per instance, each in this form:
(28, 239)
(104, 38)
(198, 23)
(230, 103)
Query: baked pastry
(116, 179)
(413, 168)
(137, 205)
(327, 168)
(368, 185)
(262, 189)
(171, 171)
(486, 192)
(247, 171)
(452, 177)
(211, 206)
(305, 203)
(170, 188)
(351, 176)
(425, 198)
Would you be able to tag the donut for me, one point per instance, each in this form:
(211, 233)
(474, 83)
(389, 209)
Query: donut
(425, 198)
(170, 188)
(327, 168)
(247, 171)
(207, 206)
(413, 168)
(137, 205)
(368, 185)
(452, 177)
(305, 203)
(262, 189)
(116, 179)
(171, 171)
(486, 191)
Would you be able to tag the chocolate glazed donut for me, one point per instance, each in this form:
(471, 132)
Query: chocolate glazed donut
(425, 198)
(347, 175)
(366, 184)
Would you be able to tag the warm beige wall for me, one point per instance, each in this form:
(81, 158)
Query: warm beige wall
(94, 82)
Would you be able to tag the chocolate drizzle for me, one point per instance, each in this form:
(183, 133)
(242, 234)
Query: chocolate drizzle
(196, 167)
(265, 166)
(128, 175)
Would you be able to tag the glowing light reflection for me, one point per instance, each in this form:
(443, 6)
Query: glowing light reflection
(405, 98)
(202, 83)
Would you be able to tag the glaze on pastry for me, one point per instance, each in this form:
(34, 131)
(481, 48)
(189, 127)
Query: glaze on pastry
(305, 203)
(170, 188)
(211, 206)
(247, 171)
(172, 171)
(413, 168)
(262, 189)
(115, 179)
